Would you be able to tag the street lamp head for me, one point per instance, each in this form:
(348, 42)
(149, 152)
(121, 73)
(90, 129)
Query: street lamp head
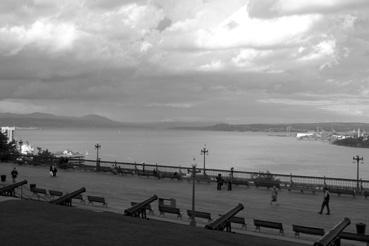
(97, 146)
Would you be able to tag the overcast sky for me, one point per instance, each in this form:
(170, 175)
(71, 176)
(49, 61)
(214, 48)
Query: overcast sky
(194, 60)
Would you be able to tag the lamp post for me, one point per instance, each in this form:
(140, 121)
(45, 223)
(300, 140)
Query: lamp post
(97, 147)
(204, 151)
(357, 158)
(193, 172)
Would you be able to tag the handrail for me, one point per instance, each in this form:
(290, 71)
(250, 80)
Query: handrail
(223, 222)
(140, 208)
(333, 236)
(67, 198)
(247, 175)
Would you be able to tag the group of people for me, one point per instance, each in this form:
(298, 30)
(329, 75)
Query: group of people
(220, 181)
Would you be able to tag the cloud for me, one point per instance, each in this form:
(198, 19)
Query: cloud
(212, 66)
(219, 60)
(251, 32)
(171, 105)
(43, 34)
(275, 8)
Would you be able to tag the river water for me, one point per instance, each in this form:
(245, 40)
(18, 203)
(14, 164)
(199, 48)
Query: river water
(247, 151)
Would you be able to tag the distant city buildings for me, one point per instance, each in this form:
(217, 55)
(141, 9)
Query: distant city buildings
(8, 132)
(331, 135)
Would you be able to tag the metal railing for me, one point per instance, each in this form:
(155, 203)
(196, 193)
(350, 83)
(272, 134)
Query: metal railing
(285, 180)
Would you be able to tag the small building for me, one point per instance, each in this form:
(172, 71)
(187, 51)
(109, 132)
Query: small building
(9, 132)
(304, 135)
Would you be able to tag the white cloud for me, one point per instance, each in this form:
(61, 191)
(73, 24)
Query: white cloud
(43, 33)
(273, 8)
(247, 31)
(212, 66)
(321, 50)
(247, 57)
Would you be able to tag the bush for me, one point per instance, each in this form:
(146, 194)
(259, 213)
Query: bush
(8, 151)
(43, 157)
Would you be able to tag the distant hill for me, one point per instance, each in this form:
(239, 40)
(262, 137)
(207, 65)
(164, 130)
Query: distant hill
(41, 120)
(293, 127)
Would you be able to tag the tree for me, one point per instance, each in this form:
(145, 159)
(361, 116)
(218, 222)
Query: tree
(43, 157)
(8, 151)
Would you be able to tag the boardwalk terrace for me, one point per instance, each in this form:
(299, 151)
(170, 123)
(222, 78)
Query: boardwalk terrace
(295, 208)
(37, 223)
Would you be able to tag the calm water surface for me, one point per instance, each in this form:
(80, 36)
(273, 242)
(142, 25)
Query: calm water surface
(244, 151)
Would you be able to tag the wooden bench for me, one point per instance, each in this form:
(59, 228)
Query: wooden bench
(38, 192)
(268, 224)
(307, 230)
(98, 199)
(238, 181)
(79, 197)
(171, 175)
(198, 214)
(146, 173)
(339, 191)
(53, 193)
(148, 207)
(238, 220)
(267, 184)
(355, 237)
(170, 210)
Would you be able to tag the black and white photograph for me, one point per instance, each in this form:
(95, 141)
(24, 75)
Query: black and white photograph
(193, 122)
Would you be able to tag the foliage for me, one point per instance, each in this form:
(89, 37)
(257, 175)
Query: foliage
(43, 157)
(8, 151)
(63, 163)
(353, 142)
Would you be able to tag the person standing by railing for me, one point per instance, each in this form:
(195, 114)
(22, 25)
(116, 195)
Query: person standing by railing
(325, 202)
(274, 195)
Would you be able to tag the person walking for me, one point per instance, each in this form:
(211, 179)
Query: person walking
(325, 202)
(14, 174)
(54, 171)
(51, 170)
(219, 181)
(274, 196)
(230, 180)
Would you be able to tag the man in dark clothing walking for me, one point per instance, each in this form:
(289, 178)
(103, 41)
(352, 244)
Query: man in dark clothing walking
(325, 201)
(14, 174)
